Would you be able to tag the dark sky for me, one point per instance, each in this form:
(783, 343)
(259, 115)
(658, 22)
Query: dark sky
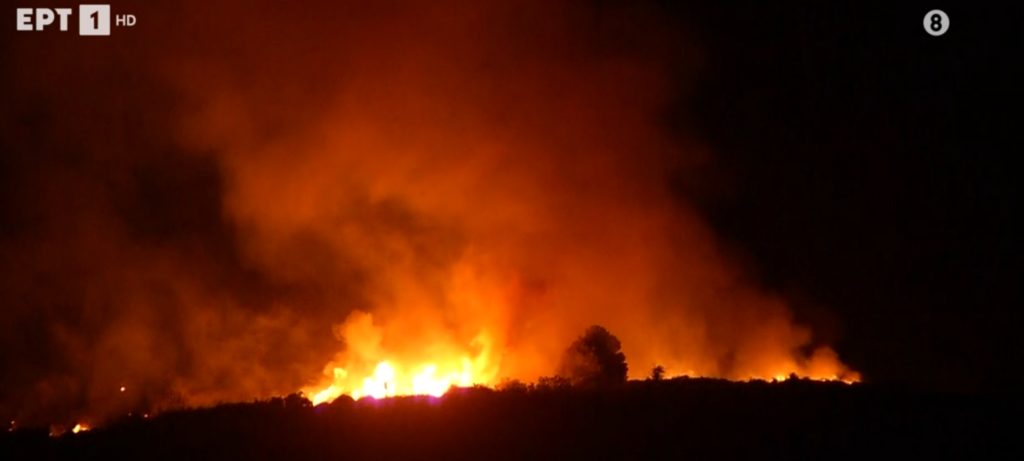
(856, 168)
(871, 176)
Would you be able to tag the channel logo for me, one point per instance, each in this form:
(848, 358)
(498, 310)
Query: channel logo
(93, 20)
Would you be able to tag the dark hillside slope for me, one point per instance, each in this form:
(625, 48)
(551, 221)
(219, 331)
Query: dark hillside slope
(682, 419)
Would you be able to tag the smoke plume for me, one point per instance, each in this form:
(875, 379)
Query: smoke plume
(229, 201)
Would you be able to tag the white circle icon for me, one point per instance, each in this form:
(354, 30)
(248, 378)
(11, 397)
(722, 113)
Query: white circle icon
(936, 22)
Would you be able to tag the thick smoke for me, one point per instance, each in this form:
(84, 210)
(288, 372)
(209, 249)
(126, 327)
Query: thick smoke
(194, 208)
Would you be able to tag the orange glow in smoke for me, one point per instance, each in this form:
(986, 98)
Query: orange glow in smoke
(481, 195)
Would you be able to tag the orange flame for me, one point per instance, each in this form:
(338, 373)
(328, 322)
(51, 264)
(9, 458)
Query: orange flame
(398, 376)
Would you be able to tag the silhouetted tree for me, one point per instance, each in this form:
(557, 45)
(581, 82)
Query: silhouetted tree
(658, 373)
(594, 360)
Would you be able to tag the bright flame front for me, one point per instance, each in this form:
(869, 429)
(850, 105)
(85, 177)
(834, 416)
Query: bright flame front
(371, 367)
(387, 381)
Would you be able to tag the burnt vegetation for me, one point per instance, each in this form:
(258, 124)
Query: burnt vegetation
(588, 411)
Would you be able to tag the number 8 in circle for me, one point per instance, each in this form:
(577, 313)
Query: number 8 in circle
(936, 23)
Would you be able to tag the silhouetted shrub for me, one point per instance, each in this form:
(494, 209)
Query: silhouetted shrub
(297, 400)
(511, 385)
(343, 401)
(551, 383)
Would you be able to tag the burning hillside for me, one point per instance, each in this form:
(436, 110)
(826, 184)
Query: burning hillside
(437, 369)
(375, 200)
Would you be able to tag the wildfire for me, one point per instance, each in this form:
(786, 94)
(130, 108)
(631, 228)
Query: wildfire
(80, 428)
(848, 379)
(386, 381)
(376, 364)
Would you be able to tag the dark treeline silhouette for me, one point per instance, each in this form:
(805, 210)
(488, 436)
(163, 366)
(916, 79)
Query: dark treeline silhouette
(682, 418)
(588, 411)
